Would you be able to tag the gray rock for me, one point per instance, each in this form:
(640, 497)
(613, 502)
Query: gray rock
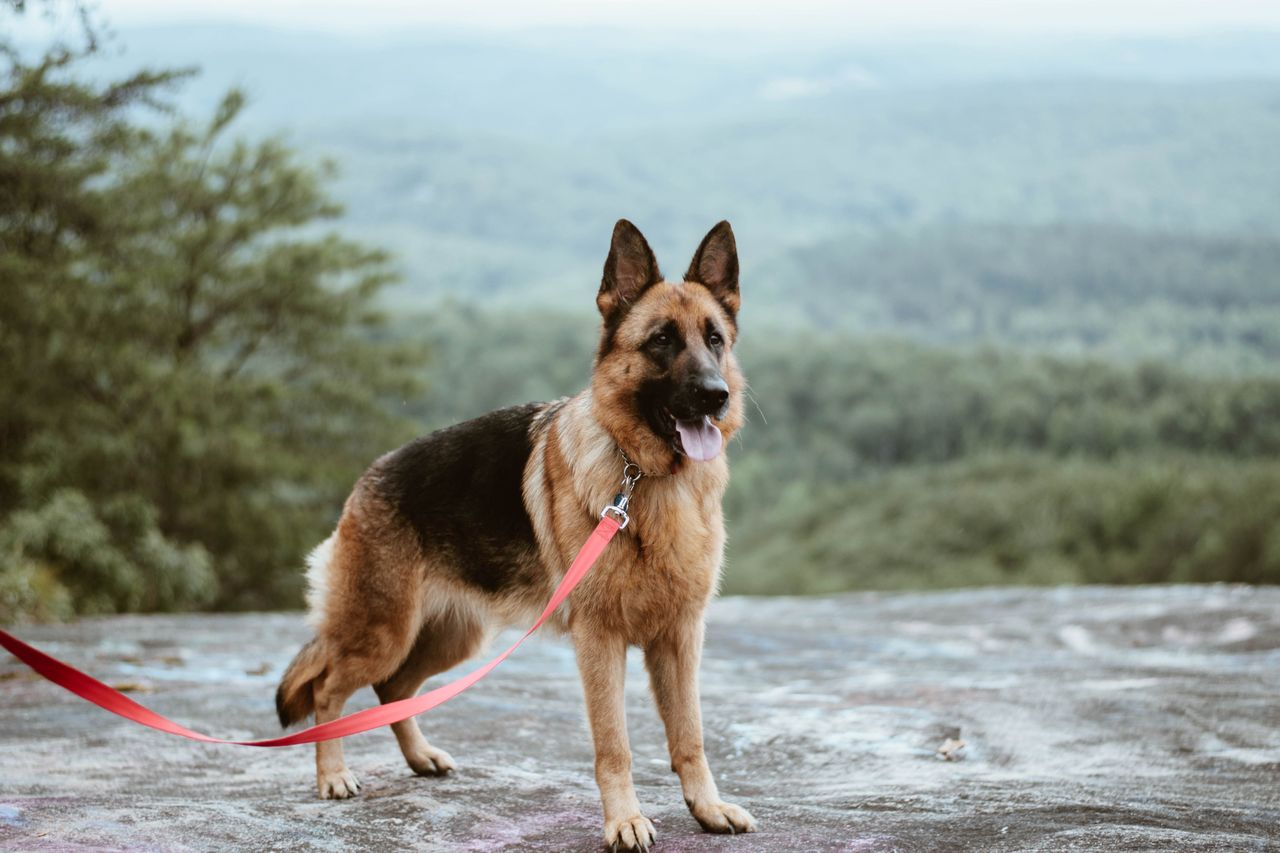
(1092, 718)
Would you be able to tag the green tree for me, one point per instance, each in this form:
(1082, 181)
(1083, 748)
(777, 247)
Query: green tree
(198, 373)
(60, 138)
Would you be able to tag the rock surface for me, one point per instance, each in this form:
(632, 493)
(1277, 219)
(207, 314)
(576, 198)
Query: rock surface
(1092, 718)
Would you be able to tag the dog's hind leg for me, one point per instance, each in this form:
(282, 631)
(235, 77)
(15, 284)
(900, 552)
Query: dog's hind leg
(444, 641)
(366, 607)
(332, 689)
(368, 657)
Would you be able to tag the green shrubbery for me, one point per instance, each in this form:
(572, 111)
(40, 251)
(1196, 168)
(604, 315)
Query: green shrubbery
(1020, 519)
(68, 556)
(836, 409)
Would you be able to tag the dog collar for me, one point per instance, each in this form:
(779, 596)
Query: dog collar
(631, 475)
(627, 464)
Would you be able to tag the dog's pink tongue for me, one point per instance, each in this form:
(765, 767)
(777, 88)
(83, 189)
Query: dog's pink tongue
(700, 439)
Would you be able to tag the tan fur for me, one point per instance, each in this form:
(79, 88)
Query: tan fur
(389, 615)
(295, 699)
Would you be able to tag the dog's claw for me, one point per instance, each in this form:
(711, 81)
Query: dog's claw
(338, 785)
(427, 760)
(633, 834)
(723, 817)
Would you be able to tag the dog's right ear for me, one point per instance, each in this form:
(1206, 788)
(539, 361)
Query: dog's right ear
(629, 271)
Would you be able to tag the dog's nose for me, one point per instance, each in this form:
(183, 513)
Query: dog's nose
(712, 392)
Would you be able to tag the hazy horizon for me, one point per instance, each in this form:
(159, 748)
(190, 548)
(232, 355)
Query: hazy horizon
(825, 19)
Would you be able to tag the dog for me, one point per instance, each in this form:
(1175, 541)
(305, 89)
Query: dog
(468, 530)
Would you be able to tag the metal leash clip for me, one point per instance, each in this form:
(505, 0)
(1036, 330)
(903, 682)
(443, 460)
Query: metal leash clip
(631, 475)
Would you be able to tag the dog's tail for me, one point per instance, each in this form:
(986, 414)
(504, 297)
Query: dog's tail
(295, 700)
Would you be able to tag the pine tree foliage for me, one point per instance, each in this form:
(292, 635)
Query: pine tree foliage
(193, 373)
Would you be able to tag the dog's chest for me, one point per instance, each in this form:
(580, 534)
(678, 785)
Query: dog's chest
(666, 564)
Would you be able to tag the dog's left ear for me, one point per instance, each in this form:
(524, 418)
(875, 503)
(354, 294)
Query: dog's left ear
(715, 266)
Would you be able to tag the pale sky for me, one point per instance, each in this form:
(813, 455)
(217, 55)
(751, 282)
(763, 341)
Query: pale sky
(832, 17)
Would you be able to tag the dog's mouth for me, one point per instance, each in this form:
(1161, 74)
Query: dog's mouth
(696, 437)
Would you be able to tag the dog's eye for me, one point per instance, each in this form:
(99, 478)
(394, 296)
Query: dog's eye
(714, 339)
(661, 339)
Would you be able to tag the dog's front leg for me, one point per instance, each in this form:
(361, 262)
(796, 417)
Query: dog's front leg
(602, 661)
(672, 660)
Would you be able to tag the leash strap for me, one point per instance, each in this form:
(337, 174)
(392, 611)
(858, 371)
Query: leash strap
(90, 688)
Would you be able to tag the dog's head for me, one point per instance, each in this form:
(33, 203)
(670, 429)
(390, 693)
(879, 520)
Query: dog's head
(666, 384)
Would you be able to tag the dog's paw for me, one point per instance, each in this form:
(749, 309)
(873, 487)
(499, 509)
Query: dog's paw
(429, 761)
(723, 817)
(630, 833)
(338, 785)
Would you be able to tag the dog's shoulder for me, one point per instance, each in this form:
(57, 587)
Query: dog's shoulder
(462, 484)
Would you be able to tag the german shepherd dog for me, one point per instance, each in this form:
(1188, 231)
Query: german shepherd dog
(468, 530)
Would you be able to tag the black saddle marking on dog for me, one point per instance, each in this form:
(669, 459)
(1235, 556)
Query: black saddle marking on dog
(461, 491)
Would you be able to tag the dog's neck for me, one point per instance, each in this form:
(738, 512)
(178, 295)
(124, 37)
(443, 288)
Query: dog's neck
(598, 456)
(613, 418)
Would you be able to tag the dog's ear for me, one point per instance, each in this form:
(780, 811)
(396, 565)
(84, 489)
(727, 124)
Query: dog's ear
(629, 271)
(715, 266)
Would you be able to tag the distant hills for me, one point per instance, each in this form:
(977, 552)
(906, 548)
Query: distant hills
(1207, 303)
(1081, 195)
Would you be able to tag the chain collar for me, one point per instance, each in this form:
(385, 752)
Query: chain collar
(631, 475)
(627, 464)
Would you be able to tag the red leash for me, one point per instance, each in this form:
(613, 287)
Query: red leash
(88, 687)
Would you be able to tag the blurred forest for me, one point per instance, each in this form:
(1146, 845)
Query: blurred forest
(1005, 321)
